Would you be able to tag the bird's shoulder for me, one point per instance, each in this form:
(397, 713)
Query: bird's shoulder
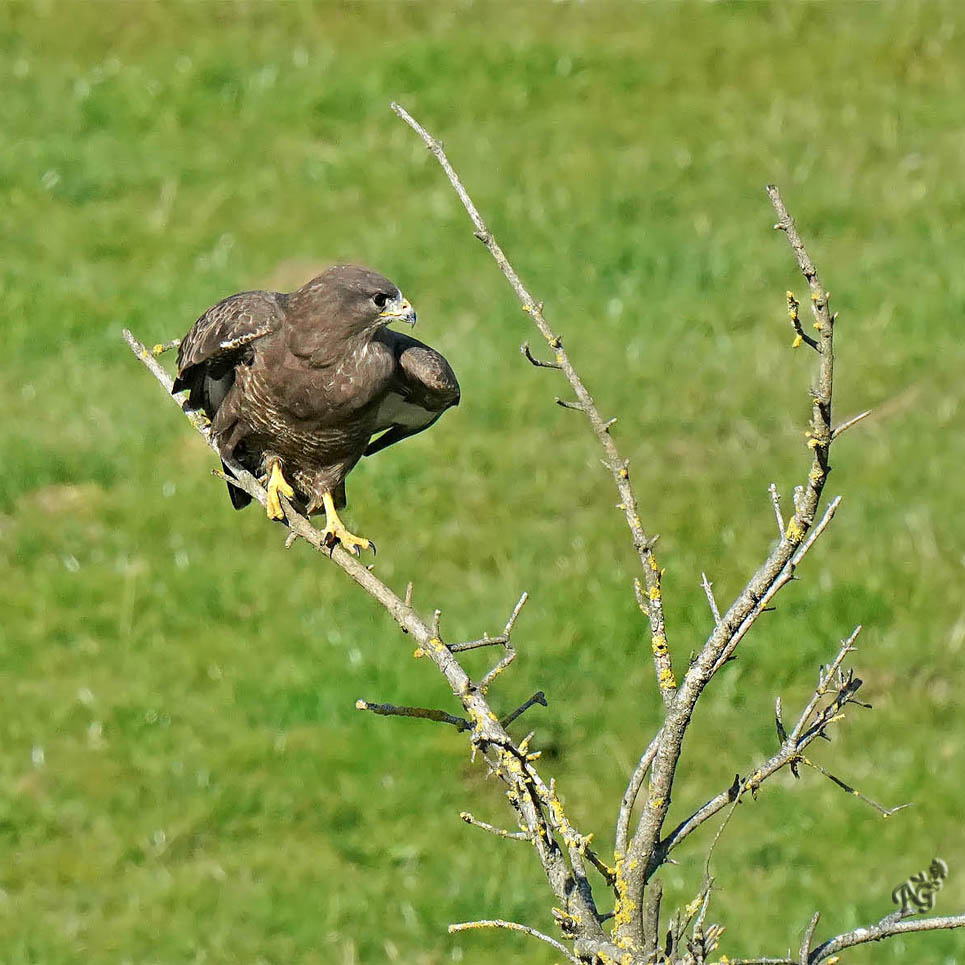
(231, 325)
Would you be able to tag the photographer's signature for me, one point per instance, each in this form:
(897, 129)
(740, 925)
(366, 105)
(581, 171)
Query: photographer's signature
(917, 894)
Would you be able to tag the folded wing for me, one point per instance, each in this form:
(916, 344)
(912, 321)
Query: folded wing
(220, 340)
(422, 388)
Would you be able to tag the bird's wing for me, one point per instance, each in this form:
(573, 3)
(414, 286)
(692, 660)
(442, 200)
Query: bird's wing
(221, 337)
(422, 387)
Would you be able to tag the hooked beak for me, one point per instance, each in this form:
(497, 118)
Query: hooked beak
(398, 310)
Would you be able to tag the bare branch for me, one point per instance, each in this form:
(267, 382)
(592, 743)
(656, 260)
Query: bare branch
(709, 593)
(614, 462)
(845, 426)
(498, 641)
(783, 577)
(492, 829)
(886, 928)
(630, 795)
(426, 713)
(539, 809)
(662, 663)
(883, 811)
(805, 952)
(511, 622)
(645, 850)
(515, 926)
(163, 347)
(538, 363)
(486, 681)
(810, 725)
(776, 502)
(824, 679)
(538, 698)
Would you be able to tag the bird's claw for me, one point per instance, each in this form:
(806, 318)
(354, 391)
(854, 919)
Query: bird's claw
(336, 533)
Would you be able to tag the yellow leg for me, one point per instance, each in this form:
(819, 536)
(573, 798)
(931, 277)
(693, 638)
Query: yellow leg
(335, 532)
(277, 484)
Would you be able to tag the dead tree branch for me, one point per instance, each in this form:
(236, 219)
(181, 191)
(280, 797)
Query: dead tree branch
(631, 934)
(561, 849)
(617, 466)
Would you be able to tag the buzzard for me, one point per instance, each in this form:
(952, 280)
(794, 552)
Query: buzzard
(297, 385)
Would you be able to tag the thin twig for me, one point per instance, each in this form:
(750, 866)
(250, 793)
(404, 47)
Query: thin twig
(630, 795)
(783, 577)
(498, 641)
(788, 754)
(426, 713)
(616, 465)
(492, 829)
(709, 593)
(514, 926)
(824, 678)
(538, 698)
(883, 811)
(163, 347)
(845, 426)
(483, 641)
(486, 681)
(805, 952)
(776, 503)
(538, 363)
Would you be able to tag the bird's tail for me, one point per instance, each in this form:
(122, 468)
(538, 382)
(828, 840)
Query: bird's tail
(239, 498)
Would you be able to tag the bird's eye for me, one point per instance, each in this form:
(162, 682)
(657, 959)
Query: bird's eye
(380, 299)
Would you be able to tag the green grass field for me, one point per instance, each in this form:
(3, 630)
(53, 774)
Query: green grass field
(184, 776)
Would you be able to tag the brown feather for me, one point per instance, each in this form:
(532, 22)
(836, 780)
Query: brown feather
(308, 378)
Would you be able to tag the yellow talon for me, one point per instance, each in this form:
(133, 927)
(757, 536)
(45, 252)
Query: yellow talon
(335, 531)
(277, 484)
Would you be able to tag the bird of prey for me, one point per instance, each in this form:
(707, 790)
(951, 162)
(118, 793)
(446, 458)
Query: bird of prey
(297, 385)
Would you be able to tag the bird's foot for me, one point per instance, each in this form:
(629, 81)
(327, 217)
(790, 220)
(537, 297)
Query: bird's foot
(335, 531)
(277, 484)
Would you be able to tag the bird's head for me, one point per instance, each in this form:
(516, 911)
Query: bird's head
(351, 300)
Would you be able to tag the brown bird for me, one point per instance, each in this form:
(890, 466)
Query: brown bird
(296, 385)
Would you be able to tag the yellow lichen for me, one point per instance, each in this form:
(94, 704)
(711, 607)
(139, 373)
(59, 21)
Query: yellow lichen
(794, 532)
(654, 592)
(666, 679)
(418, 653)
(797, 341)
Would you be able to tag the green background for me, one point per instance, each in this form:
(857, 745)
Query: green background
(183, 775)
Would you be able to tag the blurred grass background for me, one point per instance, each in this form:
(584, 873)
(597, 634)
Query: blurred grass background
(184, 775)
